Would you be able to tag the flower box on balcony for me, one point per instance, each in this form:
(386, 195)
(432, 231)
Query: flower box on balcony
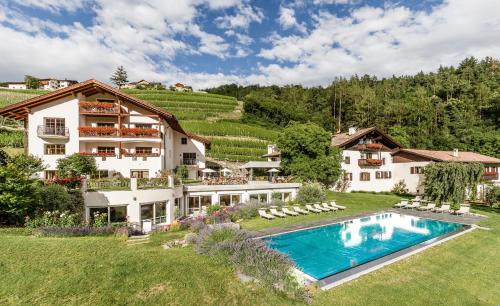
(99, 153)
(374, 162)
(139, 132)
(92, 105)
(97, 131)
(490, 173)
(141, 154)
(373, 146)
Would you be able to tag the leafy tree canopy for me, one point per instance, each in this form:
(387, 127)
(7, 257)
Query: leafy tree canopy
(4, 157)
(31, 82)
(119, 78)
(307, 154)
(76, 165)
(449, 182)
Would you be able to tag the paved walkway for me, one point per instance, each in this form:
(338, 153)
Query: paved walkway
(469, 219)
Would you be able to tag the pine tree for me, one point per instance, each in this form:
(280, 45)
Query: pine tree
(119, 78)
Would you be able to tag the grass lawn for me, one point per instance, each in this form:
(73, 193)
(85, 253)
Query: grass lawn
(104, 271)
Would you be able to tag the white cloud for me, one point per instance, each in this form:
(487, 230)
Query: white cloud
(287, 20)
(242, 19)
(55, 6)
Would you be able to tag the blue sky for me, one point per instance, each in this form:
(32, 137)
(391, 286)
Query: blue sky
(211, 42)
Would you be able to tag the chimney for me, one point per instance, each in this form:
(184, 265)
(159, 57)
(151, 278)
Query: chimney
(455, 152)
(352, 130)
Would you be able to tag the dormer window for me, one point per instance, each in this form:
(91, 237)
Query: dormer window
(184, 141)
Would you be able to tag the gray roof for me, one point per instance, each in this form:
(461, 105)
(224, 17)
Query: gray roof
(261, 164)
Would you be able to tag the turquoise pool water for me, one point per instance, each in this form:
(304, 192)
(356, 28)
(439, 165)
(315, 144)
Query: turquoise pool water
(327, 250)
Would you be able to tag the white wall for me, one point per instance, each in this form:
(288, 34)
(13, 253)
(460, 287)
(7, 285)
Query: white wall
(17, 86)
(192, 146)
(414, 182)
(373, 184)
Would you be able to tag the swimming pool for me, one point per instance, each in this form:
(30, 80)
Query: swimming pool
(327, 250)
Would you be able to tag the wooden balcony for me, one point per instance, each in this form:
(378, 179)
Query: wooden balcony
(369, 162)
(490, 176)
(139, 132)
(99, 131)
(99, 108)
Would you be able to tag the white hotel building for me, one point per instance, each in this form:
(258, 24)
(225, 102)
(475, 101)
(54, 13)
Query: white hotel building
(133, 140)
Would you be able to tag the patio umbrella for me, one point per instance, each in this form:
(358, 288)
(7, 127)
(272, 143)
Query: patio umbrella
(208, 170)
(273, 170)
(226, 170)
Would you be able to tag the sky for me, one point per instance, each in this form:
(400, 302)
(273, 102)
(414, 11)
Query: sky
(206, 43)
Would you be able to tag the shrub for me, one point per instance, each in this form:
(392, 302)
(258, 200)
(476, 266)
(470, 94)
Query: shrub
(56, 231)
(100, 219)
(53, 197)
(54, 219)
(246, 210)
(492, 195)
(182, 172)
(400, 188)
(313, 192)
(252, 257)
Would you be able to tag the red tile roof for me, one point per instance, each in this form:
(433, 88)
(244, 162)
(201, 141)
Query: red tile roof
(447, 156)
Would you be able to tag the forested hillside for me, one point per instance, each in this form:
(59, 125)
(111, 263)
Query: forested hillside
(450, 108)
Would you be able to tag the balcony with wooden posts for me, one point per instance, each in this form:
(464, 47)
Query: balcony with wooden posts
(369, 162)
(98, 108)
(108, 131)
(371, 147)
(490, 175)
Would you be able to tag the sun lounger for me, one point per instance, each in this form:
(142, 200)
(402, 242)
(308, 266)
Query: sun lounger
(429, 206)
(401, 204)
(265, 215)
(442, 209)
(464, 210)
(317, 206)
(334, 204)
(289, 212)
(300, 210)
(325, 205)
(276, 213)
(413, 205)
(314, 210)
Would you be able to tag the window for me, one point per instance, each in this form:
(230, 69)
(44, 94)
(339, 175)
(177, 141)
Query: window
(54, 126)
(184, 141)
(235, 199)
(139, 173)
(105, 124)
(118, 214)
(147, 212)
(383, 161)
(416, 170)
(143, 150)
(366, 155)
(55, 149)
(198, 203)
(287, 196)
(50, 174)
(100, 174)
(348, 176)
(189, 158)
(106, 150)
(224, 200)
(143, 125)
(364, 176)
(261, 197)
(383, 174)
(94, 210)
(347, 160)
(155, 212)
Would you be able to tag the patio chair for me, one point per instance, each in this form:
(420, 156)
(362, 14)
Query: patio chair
(289, 212)
(401, 204)
(276, 213)
(317, 206)
(300, 210)
(334, 204)
(312, 209)
(429, 206)
(442, 209)
(325, 205)
(265, 215)
(464, 210)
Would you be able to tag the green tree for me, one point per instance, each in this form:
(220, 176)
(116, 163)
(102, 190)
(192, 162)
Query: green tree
(119, 78)
(18, 187)
(399, 134)
(307, 154)
(76, 165)
(450, 182)
(31, 82)
(4, 158)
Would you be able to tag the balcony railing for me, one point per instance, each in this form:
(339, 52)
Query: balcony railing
(189, 161)
(108, 184)
(52, 132)
(99, 131)
(369, 162)
(490, 176)
(152, 183)
(139, 132)
(103, 108)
